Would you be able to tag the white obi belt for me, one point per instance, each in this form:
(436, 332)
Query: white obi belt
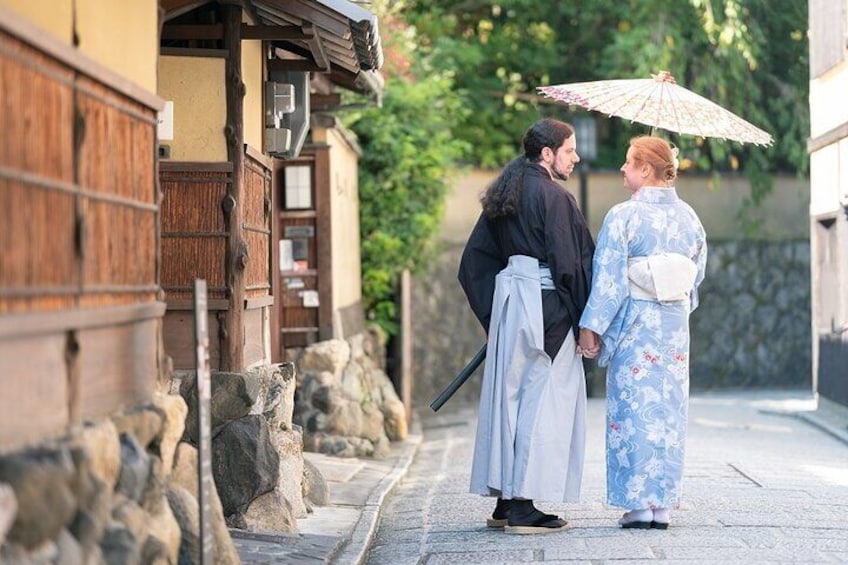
(667, 277)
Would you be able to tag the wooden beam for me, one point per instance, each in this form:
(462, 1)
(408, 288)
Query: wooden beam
(174, 8)
(232, 350)
(186, 32)
(193, 52)
(295, 65)
(324, 101)
(276, 33)
(316, 46)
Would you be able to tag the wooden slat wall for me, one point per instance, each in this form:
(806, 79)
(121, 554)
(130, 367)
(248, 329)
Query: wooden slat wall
(257, 227)
(194, 240)
(37, 216)
(194, 245)
(79, 310)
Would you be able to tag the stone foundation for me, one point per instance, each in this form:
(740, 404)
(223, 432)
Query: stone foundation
(257, 451)
(345, 402)
(119, 490)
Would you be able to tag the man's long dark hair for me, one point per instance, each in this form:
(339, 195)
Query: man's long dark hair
(504, 193)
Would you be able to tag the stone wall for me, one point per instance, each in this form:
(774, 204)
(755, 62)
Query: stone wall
(752, 328)
(257, 451)
(345, 402)
(119, 490)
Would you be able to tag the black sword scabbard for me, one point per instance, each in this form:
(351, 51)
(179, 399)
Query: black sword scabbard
(460, 379)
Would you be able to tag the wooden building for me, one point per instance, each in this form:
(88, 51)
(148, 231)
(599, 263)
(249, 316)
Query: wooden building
(141, 149)
(828, 147)
(80, 304)
(259, 193)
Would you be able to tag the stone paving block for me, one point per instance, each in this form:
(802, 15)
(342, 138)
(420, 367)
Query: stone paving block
(394, 554)
(329, 521)
(507, 557)
(759, 555)
(756, 487)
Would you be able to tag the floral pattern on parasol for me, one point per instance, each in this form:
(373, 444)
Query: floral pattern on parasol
(659, 102)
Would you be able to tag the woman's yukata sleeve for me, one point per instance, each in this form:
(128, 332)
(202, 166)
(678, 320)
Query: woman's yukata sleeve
(610, 284)
(700, 259)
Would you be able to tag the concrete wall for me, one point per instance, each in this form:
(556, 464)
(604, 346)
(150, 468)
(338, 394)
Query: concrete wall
(716, 200)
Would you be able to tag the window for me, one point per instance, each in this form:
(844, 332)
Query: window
(298, 187)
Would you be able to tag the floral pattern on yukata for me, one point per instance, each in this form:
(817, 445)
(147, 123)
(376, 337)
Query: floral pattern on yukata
(645, 344)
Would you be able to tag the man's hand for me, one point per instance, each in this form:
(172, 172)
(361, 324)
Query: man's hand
(588, 344)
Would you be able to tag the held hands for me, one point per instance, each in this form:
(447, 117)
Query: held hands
(588, 344)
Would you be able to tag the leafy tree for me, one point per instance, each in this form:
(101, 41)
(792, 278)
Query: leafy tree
(408, 148)
(745, 55)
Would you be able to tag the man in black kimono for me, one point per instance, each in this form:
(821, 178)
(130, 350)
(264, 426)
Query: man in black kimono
(526, 271)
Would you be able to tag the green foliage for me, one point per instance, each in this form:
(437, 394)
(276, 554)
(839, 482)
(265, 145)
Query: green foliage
(745, 55)
(408, 147)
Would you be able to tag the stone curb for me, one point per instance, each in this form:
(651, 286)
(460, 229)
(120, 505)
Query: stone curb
(828, 416)
(355, 549)
(824, 425)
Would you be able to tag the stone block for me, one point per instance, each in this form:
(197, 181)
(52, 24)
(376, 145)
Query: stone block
(135, 468)
(143, 422)
(289, 445)
(244, 462)
(41, 479)
(102, 444)
(315, 488)
(270, 512)
(330, 355)
(175, 410)
(232, 397)
(8, 510)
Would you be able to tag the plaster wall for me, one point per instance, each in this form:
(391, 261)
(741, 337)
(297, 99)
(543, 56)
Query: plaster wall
(196, 86)
(252, 76)
(122, 36)
(784, 213)
(344, 205)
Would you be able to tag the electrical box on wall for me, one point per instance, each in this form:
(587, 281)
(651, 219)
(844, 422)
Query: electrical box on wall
(297, 120)
(277, 141)
(279, 100)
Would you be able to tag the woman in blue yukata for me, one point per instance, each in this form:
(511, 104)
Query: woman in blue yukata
(650, 259)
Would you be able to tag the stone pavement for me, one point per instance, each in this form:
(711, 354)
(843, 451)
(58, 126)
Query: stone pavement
(766, 481)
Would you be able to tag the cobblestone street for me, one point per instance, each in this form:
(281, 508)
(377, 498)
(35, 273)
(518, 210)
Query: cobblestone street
(762, 485)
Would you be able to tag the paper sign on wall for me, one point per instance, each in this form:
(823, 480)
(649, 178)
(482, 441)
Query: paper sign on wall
(286, 255)
(310, 299)
(165, 122)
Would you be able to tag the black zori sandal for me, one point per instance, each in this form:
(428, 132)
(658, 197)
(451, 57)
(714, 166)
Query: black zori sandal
(498, 519)
(524, 518)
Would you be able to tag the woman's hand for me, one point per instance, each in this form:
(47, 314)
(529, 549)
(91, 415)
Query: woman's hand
(588, 344)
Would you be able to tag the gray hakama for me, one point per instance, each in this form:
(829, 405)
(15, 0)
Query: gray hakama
(531, 426)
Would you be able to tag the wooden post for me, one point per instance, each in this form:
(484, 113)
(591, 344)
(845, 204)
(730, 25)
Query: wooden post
(237, 251)
(405, 361)
(324, 242)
